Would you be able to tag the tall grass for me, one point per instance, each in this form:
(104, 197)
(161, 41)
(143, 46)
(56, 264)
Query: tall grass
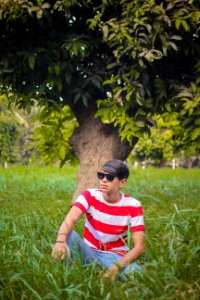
(34, 202)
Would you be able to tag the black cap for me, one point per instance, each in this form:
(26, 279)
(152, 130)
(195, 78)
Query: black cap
(116, 167)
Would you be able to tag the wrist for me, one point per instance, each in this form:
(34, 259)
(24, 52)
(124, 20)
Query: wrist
(61, 237)
(62, 233)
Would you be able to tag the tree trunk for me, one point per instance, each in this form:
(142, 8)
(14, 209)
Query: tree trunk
(94, 143)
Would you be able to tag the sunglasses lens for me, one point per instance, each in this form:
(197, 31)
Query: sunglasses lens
(109, 177)
(100, 175)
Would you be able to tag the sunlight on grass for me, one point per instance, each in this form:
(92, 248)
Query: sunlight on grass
(33, 204)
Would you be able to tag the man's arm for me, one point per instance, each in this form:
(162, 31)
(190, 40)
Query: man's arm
(131, 256)
(60, 248)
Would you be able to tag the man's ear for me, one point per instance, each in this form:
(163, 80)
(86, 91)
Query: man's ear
(123, 182)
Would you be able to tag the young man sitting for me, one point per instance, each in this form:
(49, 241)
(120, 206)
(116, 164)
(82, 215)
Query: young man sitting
(109, 214)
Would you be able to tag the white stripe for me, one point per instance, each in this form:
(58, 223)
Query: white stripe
(104, 237)
(81, 199)
(125, 201)
(109, 219)
(96, 193)
(129, 201)
(115, 220)
(89, 244)
(136, 221)
(122, 248)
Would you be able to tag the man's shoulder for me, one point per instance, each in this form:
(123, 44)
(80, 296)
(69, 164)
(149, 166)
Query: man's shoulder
(129, 200)
(92, 193)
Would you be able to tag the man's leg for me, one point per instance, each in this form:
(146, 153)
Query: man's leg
(79, 249)
(107, 259)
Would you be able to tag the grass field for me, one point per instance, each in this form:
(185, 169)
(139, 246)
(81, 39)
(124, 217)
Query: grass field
(34, 202)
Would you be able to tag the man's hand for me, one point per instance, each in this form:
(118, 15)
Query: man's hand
(60, 250)
(111, 273)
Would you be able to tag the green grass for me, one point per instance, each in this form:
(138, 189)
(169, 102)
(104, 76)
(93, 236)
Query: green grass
(34, 202)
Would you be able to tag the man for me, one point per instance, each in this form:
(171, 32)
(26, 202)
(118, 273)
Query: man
(109, 214)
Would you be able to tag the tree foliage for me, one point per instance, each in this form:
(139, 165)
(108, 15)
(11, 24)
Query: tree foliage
(156, 43)
(56, 125)
(9, 135)
(123, 61)
(163, 142)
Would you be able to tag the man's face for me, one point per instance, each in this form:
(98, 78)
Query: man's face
(110, 184)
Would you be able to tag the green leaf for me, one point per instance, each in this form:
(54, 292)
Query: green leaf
(173, 45)
(176, 37)
(85, 100)
(197, 122)
(193, 87)
(140, 124)
(57, 69)
(46, 5)
(62, 152)
(168, 107)
(139, 101)
(195, 134)
(183, 112)
(77, 97)
(182, 23)
(105, 31)
(31, 61)
(191, 111)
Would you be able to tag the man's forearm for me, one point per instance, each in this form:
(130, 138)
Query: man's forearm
(68, 224)
(130, 257)
(64, 231)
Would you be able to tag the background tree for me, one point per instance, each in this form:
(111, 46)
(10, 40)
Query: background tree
(161, 145)
(115, 60)
(16, 135)
(165, 143)
(9, 135)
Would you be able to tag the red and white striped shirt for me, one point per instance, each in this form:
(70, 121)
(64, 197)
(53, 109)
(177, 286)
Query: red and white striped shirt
(106, 223)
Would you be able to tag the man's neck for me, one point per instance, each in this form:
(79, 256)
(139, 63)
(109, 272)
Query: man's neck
(112, 198)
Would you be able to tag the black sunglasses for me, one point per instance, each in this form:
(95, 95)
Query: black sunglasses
(109, 177)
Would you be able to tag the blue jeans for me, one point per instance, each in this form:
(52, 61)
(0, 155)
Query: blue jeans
(79, 249)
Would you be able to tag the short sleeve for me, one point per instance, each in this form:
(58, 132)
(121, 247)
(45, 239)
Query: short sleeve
(137, 218)
(83, 201)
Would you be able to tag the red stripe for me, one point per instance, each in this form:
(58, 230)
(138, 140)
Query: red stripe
(79, 205)
(133, 211)
(138, 228)
(88, 197)
(103, 246)
(106, 228)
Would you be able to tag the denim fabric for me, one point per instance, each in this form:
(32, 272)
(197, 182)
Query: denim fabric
(79, 249)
